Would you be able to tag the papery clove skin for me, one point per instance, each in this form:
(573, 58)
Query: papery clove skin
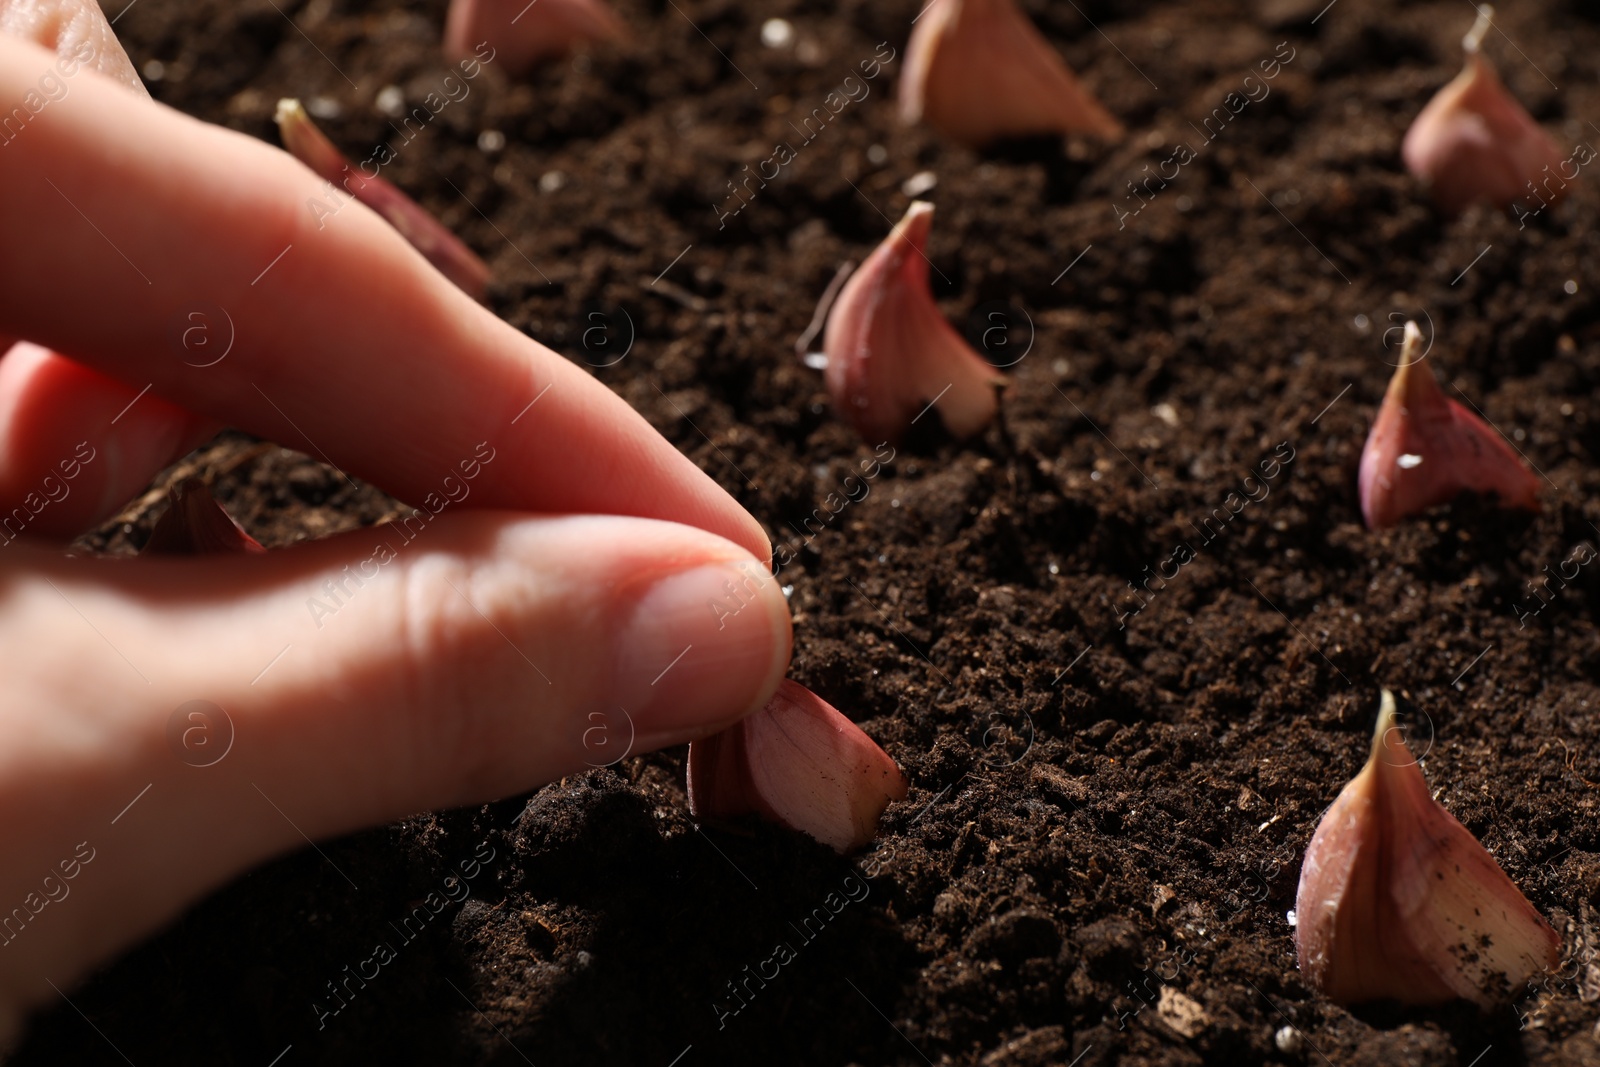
(800, 763)
(1399, 901)
(1474, 143)
(1425, 449)
(522, 34)
(427, 235)
(890, 351)
(979, 71)
(194, 524)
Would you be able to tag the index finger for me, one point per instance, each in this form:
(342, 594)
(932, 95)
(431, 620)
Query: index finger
(120, 217)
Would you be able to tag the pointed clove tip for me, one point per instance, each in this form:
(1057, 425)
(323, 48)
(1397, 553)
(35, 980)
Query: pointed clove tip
(303, 140)
(1413, 338)
(1389, 746)
(916, 223)
(195, 524)
(1473, 41)
(1410, 355)
(1386, 720)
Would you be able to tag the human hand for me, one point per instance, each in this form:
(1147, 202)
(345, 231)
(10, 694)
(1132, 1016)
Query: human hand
(467, 659)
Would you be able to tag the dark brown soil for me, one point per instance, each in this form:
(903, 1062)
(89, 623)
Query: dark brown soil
(1097, 810)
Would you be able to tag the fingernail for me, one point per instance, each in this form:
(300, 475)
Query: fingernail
(701, 649)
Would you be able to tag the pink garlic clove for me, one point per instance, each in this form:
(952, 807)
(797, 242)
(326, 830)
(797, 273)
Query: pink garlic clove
(1425, 449)
(1473, 143)
(890, 351)
(522, 35)
(800, 763)
(194, 524)
(979, 71)
(427, 234)
(1399, 901)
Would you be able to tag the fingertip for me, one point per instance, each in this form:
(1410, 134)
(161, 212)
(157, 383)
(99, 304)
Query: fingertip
(750, 535)
(75, 445)
(701, 647)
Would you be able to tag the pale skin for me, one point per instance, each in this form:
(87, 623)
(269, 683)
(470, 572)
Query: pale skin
(580, 578)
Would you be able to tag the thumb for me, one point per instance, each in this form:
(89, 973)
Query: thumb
(341, 684)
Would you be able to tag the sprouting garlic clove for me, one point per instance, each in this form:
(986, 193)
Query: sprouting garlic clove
(1399, 901)
(890, 352)
(194, 524)
(1425, 449)
(800, 763)
(979, 71)
(522, 35)
(427, 235)
(1473, 143)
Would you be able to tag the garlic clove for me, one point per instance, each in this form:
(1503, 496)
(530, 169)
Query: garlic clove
(800, 763)
(1398, 900)
(890, 352)
(1473, 143)
(1425, 449)
(427, 234)
(521, 35)
(979, 71)
(194, 524)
